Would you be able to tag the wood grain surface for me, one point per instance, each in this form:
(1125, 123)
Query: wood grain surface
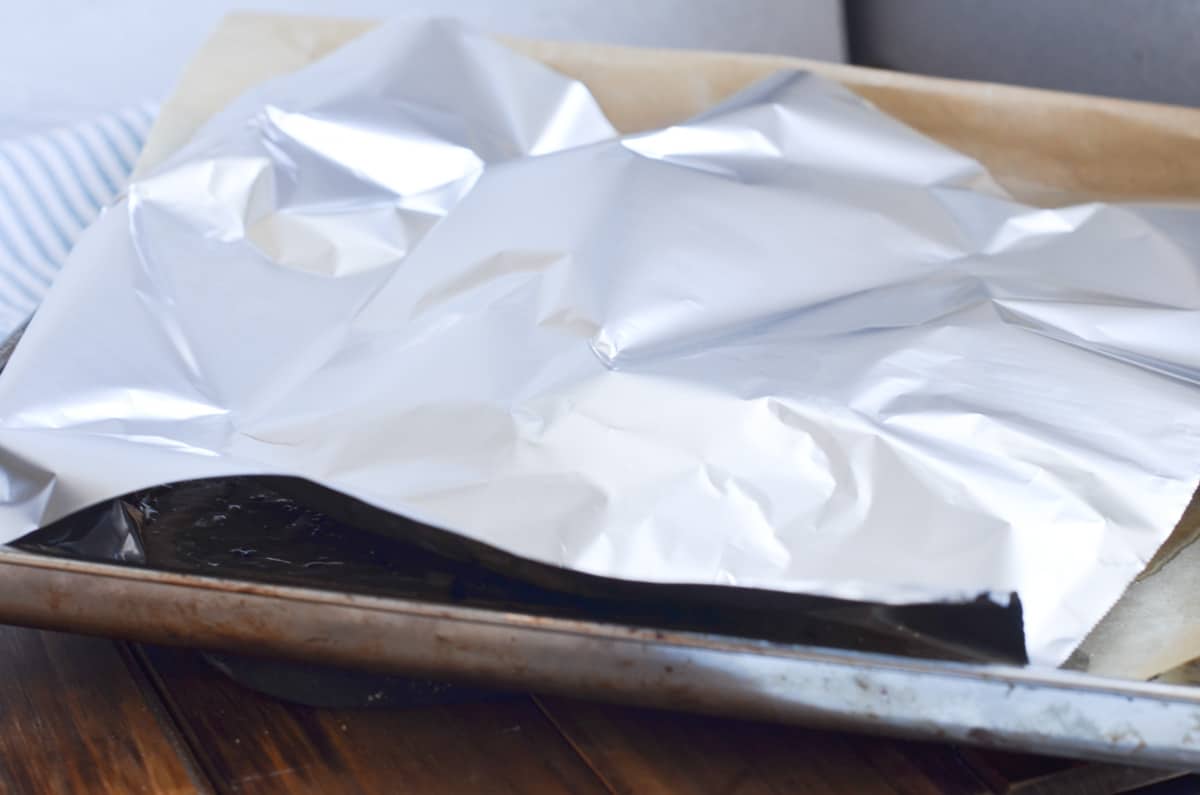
(248, 743)
(85, 715)
(253, 744)
(655, 753)
(75, 719)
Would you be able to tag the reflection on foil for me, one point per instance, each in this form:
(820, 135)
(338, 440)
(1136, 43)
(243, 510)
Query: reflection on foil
(790, 344)
(267, 530)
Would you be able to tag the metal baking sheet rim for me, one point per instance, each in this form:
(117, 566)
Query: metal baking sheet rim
(1043, 711)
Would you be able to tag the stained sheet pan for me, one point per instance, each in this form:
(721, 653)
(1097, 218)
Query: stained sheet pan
(1058, 148)
(1043, 711)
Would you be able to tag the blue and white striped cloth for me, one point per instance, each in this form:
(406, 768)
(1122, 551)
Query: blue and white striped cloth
(52, 185)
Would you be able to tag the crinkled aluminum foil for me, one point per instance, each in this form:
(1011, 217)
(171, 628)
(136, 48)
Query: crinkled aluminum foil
(789, 344)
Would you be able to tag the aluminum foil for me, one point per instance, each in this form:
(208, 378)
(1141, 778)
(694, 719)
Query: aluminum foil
(789, 344)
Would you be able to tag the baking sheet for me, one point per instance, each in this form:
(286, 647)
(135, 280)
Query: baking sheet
(922, 307)
(1043, 147)
(1014, 708)
(1026, 184)
(1033, 710)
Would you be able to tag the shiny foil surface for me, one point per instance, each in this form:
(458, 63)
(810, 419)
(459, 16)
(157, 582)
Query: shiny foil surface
(790, 344)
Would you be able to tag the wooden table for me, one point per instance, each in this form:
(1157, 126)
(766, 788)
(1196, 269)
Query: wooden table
(88, 715)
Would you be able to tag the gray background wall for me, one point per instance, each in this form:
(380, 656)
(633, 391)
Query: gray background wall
(1141, 49)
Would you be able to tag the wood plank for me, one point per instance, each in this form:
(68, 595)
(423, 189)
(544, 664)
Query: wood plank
(73, 718)
(649, 752)
(249, 743)
(1022, 774)
(253, 744)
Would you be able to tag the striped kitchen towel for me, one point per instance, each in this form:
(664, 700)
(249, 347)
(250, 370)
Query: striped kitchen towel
(52, 185)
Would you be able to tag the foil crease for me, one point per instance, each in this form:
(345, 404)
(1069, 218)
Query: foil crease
(789, 344)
